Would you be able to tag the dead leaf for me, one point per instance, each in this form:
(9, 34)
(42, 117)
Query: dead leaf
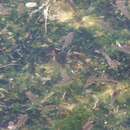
(21, 8)
(67, 106)
(99, 79)
(72, 4)
(88, 125)
(4, 11)
(114, 96)
(80, 56)
(21, 121)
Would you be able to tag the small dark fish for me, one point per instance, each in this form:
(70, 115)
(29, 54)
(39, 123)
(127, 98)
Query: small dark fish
(67, 40)
(61, 56)
(99, 79)
(113, 64)
(31, 96)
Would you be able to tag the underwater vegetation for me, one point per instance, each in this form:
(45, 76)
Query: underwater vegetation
(64, 65)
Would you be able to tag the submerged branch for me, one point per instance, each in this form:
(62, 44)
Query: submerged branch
(7, 65)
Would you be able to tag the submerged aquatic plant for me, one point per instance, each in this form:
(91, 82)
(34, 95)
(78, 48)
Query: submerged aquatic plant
(50, 75)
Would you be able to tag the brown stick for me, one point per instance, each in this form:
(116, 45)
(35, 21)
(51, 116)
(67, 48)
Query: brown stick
(7, 65)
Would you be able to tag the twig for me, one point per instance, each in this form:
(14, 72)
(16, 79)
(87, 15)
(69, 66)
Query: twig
(37, 10)
(47, 97)
(45, 8)
(8, 65)
(88, 125)
(96, 101)
(46, 17)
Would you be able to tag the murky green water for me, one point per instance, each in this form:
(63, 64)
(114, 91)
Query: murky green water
(64, 65)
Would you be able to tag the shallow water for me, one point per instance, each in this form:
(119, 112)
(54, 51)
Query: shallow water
(64, 66)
